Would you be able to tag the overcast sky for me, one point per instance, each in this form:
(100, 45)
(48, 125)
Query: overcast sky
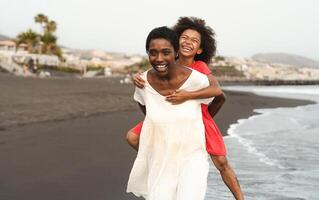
(243, 27)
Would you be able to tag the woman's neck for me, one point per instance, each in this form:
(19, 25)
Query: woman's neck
(171, 74)
(185, 61)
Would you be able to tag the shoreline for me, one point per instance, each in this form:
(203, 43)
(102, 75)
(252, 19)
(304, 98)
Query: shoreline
(260, 82)
(222, 80)
(241, 105)
(239, 109)
(29, 100)
(85, 157)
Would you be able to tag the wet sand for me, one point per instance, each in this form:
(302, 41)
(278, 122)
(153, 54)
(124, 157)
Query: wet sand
(64, 138)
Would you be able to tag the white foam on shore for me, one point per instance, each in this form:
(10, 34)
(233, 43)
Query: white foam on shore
(275, 152)
(249, 144)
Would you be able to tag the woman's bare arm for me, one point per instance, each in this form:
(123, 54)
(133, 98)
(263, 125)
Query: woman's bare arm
(217, 103)
(138, 81)
(180, 96)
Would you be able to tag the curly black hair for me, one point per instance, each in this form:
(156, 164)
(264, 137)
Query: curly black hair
(165, 33)
(208, 42)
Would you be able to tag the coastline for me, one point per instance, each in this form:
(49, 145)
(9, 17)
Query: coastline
(241, 105)
(28, 100)
(274, 82)
(67, 139)
(265, 143)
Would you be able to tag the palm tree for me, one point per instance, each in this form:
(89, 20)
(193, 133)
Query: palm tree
(47, 25)
(41, 43)
(49, 41)
(30, 38)
(41, 19)
(49, 45)
(51, 26)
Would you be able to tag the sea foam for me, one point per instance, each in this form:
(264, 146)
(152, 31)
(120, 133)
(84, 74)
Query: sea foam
(275, 152)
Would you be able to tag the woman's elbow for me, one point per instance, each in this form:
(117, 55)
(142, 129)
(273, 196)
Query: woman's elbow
(223, 97)
(219, 92)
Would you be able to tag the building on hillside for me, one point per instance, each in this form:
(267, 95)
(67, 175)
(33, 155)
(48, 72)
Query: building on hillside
(10, 45)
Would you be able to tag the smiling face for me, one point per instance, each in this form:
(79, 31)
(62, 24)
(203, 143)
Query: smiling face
(189, 43)
(161, 55)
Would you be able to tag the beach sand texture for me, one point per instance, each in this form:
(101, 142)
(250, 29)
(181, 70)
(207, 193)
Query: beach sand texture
(64, 138)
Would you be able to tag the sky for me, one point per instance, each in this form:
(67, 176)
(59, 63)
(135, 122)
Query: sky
(243, 27)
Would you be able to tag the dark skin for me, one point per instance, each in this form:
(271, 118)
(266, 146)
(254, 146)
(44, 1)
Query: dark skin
(218, 101)
(213, 107)
(190, 42)
(181, 96)
(168, 85)
(191, 39)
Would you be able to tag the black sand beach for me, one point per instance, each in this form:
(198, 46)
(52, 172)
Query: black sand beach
(64, 138)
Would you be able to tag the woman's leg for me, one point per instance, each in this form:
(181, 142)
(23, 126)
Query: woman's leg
(216, 148)
(133, 139)
(228, 175)
(133, 136)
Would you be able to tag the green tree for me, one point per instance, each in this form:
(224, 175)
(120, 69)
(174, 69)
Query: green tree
(51, 27)
(47, 25)
(48, 42)
(41, 19)
(48, 39)
(30, 38)
(41, 43)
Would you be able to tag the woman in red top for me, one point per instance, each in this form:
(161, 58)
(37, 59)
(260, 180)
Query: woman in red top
(197, 47)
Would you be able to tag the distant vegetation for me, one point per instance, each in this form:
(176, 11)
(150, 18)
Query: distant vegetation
(138, 67)
(41, 43)
(223, 68)
(65, 69)
(219, 58)
(228, 70)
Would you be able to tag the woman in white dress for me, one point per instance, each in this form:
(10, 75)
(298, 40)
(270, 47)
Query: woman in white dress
(171, 163)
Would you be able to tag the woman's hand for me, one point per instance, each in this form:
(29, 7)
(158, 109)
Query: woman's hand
(178, 97)
(138, 81)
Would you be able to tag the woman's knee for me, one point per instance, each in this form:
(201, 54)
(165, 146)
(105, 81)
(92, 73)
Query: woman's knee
(132, 138)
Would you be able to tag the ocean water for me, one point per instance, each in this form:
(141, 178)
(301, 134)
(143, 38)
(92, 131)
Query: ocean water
(275, 153)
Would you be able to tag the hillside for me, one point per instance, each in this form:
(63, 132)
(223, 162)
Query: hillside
(3, 37)
(284, 58)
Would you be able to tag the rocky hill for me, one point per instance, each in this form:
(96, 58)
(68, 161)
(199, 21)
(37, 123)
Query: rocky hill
(284, 58)
(268, 70)
(3, 37)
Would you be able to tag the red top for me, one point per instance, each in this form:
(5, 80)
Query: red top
(201, 67)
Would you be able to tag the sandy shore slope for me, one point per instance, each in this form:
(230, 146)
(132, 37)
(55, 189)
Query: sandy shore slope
(65, 138)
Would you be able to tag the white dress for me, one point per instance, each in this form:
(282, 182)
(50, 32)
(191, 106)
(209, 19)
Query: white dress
(171, 163)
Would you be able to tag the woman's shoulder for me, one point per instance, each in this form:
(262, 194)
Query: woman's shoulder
(144, 75)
